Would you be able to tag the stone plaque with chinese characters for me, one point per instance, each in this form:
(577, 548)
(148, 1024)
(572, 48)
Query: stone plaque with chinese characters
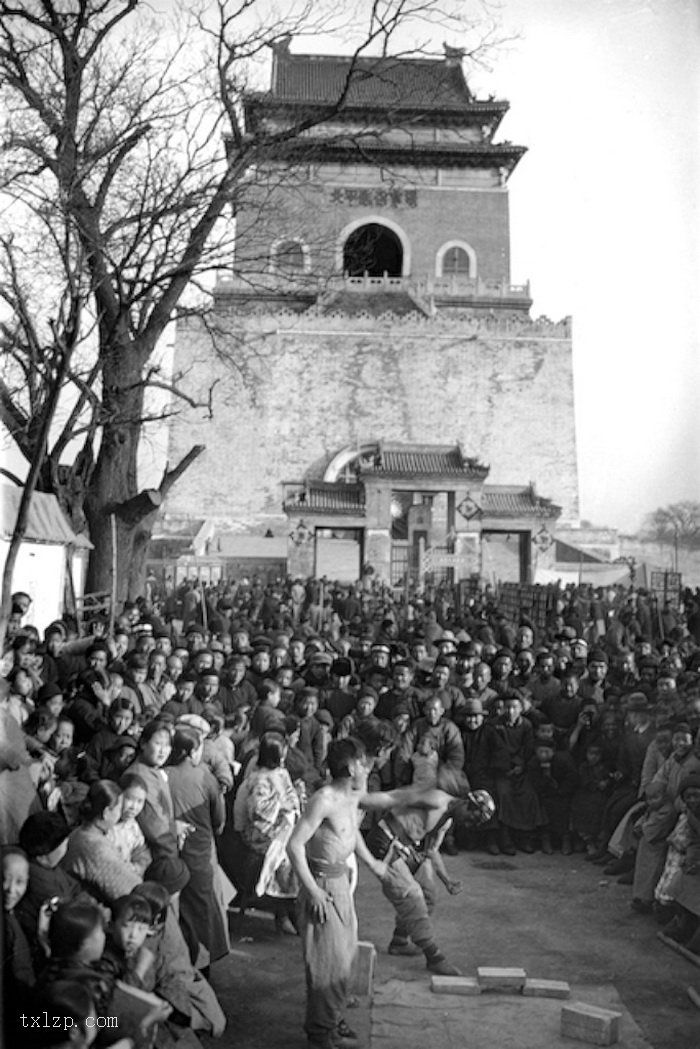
(377, 197)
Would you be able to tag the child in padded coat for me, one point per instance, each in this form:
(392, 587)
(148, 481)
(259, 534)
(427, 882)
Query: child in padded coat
(173, 977)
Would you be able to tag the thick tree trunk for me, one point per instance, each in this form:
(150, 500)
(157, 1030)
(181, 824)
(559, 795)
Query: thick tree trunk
(114, 478)
(113, 487)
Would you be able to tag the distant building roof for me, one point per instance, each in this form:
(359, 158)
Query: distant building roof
(46, 523)
(509, 501)
(329, 497)
(411, 460)
(404, 83)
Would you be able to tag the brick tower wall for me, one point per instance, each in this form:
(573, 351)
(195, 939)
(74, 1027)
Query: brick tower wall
(475, 209)
(303, 386)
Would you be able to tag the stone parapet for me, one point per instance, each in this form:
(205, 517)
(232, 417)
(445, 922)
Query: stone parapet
(464, 322)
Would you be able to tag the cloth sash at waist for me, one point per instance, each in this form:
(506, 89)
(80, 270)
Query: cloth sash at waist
(326, 869)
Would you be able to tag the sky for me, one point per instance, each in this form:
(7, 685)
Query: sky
(605, 225)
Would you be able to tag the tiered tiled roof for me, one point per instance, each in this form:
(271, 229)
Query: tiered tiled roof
(423, 460)
(404, 83)
(516, 502)
(344, 89)
(328, 498)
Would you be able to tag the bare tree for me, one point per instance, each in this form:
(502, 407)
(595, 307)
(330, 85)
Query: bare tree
(123, 150)
(676, 525)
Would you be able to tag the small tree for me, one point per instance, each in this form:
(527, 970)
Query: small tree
(113, 155)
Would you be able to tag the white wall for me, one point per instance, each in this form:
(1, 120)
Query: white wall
(40, 572)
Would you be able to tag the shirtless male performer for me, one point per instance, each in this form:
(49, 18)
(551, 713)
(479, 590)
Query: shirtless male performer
(319, 848)
(410, 825)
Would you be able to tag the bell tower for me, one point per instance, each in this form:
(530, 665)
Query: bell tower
(404, 184)
(371, 300)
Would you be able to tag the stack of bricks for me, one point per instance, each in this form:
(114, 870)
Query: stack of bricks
(585, 1023)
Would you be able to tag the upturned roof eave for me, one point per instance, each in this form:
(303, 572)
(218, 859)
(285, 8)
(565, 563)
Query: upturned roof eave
(466, 107)
(428, 475)
(464, 153)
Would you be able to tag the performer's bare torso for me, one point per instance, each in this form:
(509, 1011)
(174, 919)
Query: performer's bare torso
(335, 839)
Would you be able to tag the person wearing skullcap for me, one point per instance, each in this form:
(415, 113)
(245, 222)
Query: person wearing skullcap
(47, 692)
(313, 742)
(339, 700)
(690, 782)
(591, 687)
(501, 671)
(563, 710)
(545, 685)
(402, 691)
(44, 838)
(440, 685)
(380, 654)
(554, 777)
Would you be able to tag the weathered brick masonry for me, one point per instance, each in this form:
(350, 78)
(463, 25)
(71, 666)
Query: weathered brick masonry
(304, 386)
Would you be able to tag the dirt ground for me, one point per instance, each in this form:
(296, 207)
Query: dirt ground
(557, 917)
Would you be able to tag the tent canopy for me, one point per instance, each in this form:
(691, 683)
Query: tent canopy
(46, 523)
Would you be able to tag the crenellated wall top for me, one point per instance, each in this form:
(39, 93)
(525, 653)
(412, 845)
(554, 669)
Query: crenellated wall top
(467, 323)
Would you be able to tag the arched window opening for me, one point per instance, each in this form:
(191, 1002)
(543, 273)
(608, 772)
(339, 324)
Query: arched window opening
(455, 263)
(289, 257)
(373, 249)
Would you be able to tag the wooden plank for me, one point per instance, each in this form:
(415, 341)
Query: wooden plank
(679, 949)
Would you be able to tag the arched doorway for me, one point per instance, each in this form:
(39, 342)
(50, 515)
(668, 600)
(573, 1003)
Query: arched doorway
(373, 249)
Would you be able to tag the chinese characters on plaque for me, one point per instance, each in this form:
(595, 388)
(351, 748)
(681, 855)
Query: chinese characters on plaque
(379, 197)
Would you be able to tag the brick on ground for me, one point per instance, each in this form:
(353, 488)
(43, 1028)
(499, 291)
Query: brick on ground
(590, 1023)
(363, 968)
(465, 985)
(546, 989)
(493, 979)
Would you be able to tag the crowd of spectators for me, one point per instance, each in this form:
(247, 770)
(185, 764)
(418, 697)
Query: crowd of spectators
(154, 765)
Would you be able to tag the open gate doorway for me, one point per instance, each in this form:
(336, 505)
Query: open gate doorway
(506, 556)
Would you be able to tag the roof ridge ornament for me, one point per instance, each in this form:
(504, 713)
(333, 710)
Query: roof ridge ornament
(454, 54)
(282, 44)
